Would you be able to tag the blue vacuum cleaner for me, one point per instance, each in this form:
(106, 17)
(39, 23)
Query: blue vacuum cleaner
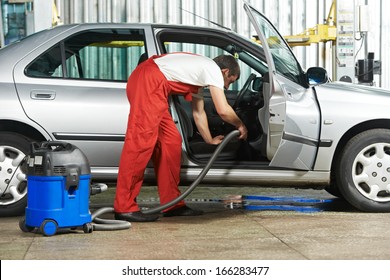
(59, 188)
(58, 181)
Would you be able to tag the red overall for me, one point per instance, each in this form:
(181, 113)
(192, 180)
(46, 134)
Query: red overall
(151, 133)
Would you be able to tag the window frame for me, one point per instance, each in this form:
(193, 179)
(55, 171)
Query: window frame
(62, 46)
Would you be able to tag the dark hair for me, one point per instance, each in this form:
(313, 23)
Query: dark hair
(228, 62)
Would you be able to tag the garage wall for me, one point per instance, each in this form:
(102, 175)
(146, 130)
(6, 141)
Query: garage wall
(289, 16)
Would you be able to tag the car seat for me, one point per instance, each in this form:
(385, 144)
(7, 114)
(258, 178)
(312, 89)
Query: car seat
(142, 58)
(198, 148)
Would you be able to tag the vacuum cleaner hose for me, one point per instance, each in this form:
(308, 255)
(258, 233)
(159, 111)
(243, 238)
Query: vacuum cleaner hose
(103, 224)
(202, 174)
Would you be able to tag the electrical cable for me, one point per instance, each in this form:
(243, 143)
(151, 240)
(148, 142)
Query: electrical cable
(363, 36)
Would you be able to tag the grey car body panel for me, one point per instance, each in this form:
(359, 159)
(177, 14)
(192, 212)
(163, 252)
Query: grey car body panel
(298, 145)
(92, 117)
(344, 106)
(11, 109)
(243, 176)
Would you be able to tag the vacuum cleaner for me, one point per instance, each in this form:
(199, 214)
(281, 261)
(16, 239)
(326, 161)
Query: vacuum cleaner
(58, 181)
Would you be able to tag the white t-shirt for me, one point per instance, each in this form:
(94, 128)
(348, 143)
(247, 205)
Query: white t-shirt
(190, 69)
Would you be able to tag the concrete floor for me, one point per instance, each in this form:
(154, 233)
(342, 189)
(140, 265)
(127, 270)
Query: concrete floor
(315, 227)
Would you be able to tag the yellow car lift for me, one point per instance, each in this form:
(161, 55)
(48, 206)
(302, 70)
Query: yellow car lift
(320, 33)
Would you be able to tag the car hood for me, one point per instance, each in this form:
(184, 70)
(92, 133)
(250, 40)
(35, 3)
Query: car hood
(344, 88)
(346, 105)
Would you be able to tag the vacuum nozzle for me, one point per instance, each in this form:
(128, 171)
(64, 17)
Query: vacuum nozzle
(98, 188)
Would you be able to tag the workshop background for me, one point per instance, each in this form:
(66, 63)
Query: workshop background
(350, 38)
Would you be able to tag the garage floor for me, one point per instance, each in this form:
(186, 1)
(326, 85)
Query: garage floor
(283, 224)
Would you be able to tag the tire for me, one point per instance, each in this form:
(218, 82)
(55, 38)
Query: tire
(333, 190)
(13, 182)
(363, 172)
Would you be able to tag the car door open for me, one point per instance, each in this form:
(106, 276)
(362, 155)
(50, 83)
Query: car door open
(290, 116)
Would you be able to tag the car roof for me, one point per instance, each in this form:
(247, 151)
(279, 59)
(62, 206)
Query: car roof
(10, 54)
(34, 40)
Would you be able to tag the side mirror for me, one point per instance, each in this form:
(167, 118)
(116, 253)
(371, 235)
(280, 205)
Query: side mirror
(316, 76)
(257, 84)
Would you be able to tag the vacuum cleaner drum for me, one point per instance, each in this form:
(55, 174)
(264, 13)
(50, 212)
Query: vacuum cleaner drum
(58, 182)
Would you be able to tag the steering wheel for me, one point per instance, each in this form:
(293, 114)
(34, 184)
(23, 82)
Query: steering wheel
(241, 93)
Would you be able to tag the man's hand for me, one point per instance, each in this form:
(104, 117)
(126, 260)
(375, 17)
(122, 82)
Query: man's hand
(216, 140)
(226, 112)
(243, 132)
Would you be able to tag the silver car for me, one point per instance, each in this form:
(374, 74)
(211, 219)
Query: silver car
(68, 84)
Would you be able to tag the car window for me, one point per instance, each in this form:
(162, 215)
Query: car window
(283, 58)
(104, 54)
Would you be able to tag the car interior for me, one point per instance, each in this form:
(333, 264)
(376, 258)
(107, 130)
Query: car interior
(245, 96)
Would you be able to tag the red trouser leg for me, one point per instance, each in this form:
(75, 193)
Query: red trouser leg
(131, 173)
(150, 127)
(166, 160)
(147, 94)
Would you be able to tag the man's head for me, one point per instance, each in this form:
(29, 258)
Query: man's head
(229, 67)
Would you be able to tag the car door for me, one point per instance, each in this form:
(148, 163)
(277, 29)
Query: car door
(290, 116)
(75, 88)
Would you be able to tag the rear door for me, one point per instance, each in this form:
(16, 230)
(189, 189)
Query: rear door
(75, 88)
(290, 116)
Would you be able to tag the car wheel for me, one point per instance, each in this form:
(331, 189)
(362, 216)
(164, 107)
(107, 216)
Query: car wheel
(363, 172)
(333, 190)
(13, 184)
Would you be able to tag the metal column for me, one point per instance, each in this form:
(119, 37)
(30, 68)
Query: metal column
(43, 14)
(2, 43)
(344, 64)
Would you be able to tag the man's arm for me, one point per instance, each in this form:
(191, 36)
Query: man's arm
(201, 122)
(226, 112)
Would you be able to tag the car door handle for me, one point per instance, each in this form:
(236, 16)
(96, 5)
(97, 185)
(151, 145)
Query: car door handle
(43, 94)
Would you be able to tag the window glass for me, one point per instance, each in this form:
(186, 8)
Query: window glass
(284, 60)
(47, 65)
(97, 55)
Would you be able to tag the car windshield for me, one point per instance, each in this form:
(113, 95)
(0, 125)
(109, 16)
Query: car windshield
(283, 58)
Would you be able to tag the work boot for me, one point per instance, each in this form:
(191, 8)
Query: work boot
(183, 211)
(136, 217)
